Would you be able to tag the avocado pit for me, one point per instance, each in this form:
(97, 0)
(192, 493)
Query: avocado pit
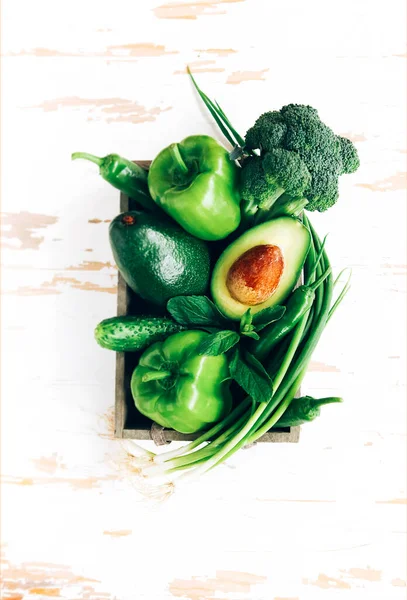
(255, 275)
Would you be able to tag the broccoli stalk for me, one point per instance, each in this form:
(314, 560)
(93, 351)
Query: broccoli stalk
(287, 206)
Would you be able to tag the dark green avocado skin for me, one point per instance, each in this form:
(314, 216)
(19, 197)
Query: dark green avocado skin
(157, 258)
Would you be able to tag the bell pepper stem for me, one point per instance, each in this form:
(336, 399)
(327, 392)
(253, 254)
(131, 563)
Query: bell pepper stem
(178, 158)
(155, 375)
(95, 159)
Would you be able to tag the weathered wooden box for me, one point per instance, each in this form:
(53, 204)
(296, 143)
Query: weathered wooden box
(129, 423)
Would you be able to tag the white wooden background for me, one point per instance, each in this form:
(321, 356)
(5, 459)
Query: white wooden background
(324, 519)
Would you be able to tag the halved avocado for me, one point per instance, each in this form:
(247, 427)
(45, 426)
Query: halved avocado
(261, 267)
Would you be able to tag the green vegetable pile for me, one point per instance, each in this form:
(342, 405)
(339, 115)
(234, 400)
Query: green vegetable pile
(232, 285)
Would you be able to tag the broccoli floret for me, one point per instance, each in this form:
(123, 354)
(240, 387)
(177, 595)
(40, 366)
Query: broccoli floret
(285, 173)
(299, 116)
(264, 179)
(323, 191)
(350, 158)
(254, 187)
(307, 135)
(268, 132)
(298, 129)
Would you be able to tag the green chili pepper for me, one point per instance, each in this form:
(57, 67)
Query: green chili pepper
(297, 305)
(180, 389)
(302, 410)
(195, 182)
(124, 175)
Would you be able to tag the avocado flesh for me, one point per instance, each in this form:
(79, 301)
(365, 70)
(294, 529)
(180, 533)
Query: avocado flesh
(287, 233)
(157, 258)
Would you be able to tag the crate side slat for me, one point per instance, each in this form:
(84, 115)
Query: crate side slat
(291, 436)
(122, 309)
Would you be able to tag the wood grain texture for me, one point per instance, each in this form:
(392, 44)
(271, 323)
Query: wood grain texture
(309, 521)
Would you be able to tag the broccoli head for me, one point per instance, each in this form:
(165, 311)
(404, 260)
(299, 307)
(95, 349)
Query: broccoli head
(264, 179)
(297, 128)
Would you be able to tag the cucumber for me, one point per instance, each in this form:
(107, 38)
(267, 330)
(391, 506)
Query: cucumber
(129, 334)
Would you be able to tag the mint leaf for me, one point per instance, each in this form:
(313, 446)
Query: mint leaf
(218, 343)
(252, 377)
(196, 310)
(266, 316)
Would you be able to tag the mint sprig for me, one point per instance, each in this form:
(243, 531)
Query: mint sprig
(251, 376)
(198, 311)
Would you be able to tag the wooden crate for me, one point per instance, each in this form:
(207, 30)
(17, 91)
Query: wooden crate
(129, 423)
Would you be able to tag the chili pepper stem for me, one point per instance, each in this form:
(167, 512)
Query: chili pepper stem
(95, 159)
(330, 400)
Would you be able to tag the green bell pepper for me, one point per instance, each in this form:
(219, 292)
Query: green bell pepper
(180, 389)
(196, 183)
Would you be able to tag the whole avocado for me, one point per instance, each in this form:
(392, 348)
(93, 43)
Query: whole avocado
(157, 258)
